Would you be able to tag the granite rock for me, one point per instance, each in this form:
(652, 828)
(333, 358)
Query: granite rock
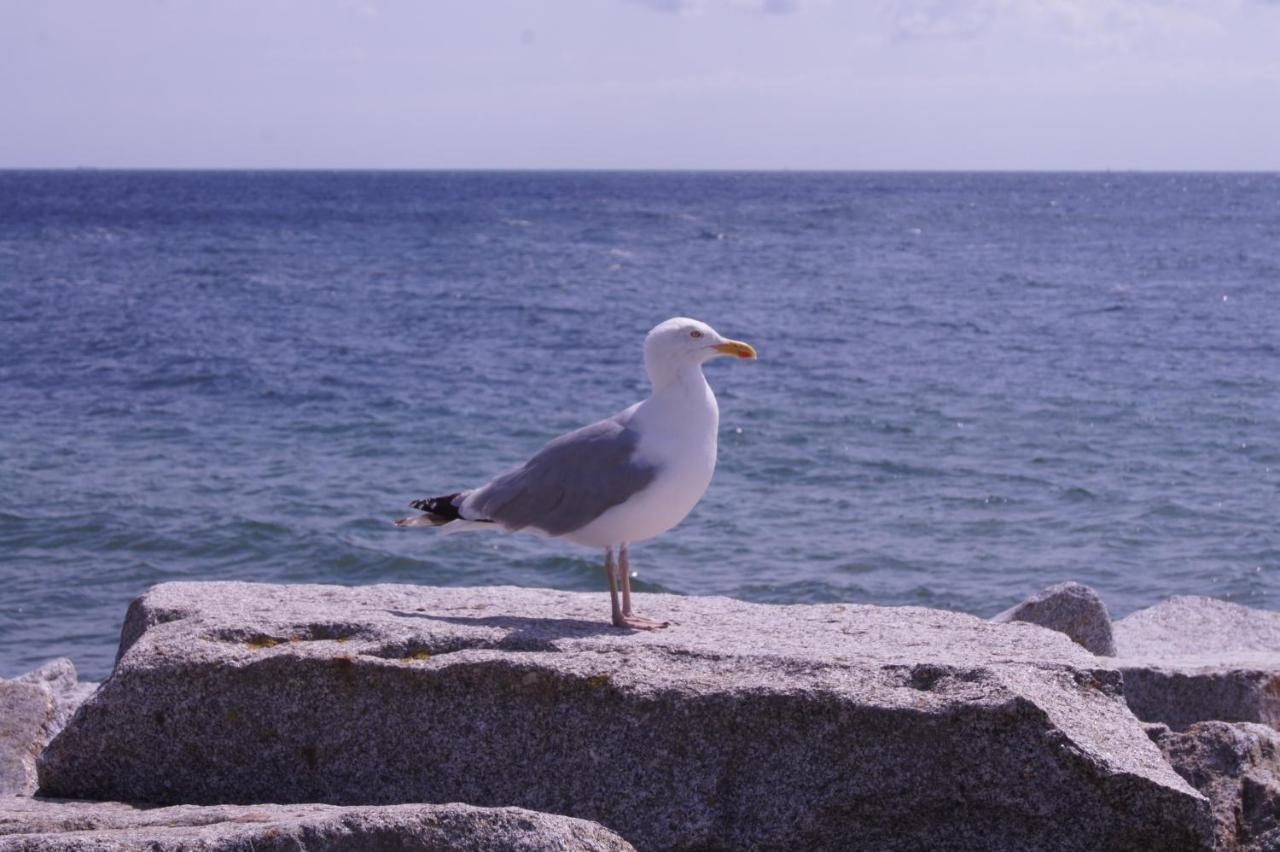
(69, 692)
(34, 707)
(1070, 608)
(1237, 766)
(740, 726)
(43, 825)
(1194, 659)
(26, 714)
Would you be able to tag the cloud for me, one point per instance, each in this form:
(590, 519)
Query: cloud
(666, 5)
(1105, 23)
(925, 19)
(768, 7)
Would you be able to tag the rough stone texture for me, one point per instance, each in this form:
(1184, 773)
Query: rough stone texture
(69, 692)
(741, 726)
(1194, 659)
(26, 712)
(1237, 765)
(33, 708)
(52, 825)
(1070, 608)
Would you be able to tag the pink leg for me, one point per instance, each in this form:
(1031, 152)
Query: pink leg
(612, 575)
(637, 622)
(624, 569)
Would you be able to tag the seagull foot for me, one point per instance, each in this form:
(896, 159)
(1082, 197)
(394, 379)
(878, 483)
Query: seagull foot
(638, 622)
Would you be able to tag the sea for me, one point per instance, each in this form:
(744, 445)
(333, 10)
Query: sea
(970, 386)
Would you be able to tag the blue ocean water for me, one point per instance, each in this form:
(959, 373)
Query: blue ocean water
(970, 385)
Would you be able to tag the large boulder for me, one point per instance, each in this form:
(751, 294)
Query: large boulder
(41, 825)
(33, 708)
(1070, 608)
(1194, 659)
(1237, 765)
(740, 726)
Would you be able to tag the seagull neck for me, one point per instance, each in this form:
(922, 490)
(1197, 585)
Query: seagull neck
(682, 405)
(683, 380)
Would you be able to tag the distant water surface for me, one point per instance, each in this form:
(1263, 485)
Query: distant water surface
(970, 385)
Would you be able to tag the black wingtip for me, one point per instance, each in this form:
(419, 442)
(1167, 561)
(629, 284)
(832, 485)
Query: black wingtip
(441, 509)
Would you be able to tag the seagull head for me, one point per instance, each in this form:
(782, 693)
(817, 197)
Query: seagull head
(681, 342)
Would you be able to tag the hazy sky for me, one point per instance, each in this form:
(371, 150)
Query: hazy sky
(804, 84)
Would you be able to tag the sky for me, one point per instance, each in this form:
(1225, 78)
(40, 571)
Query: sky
(641, 84)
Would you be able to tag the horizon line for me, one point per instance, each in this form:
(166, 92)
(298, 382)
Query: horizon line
(634, 170)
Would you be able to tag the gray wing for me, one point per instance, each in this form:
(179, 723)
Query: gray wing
(569, 483)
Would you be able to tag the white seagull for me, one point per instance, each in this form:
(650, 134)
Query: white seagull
(622, 480)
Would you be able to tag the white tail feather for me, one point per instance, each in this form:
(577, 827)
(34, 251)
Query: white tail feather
(467, 526)
(416, 521)
(448, 527)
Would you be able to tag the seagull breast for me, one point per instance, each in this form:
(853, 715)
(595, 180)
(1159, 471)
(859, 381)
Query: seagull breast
(677, 429)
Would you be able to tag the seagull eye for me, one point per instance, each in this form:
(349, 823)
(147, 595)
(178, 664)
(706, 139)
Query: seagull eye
(695, 333)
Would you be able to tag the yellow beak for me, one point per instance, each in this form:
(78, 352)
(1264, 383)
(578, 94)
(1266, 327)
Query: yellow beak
(736, 348)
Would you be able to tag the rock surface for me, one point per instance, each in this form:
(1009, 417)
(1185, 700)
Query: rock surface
(26, 714)
(1237, 765)
(33, 708)
(1194, 659)
(64, 684)
(1070, 608)
(740, 726)
(43, 825)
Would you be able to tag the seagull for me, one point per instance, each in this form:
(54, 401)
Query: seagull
(621, 480)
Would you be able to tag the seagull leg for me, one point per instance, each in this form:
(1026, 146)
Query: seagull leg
(624, 568)
(637, 622)
(613, 587)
